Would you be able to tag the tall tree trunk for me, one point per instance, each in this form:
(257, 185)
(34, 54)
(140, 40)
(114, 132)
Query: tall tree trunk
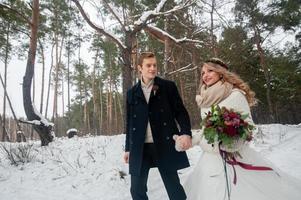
(167, 50)
(55, 95)
(80, 85)
(62, 74)
(108, 110)
(167, 56)
(86, 109)
(63, 101)
(33, 100)
(68, 78)
(20, 134)
(43, 76)
(212, 37)
(126, 70)
(81, 104)
(196, 72)
(49, 81)
(265, 71)
(100, 114)
(44, 128)
(57, 70)
(33, 88)
(110, 96)
(119, 102)
(182, 89)
(115, 113)
(5, 134)
(94, 92)
(10, 129)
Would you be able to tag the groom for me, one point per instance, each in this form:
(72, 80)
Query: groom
(153, 105)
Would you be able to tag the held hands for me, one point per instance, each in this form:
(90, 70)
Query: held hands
(183, 142)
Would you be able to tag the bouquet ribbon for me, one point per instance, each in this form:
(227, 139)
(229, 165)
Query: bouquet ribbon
(232, 161)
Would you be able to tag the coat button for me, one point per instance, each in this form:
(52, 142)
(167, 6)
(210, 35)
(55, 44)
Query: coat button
(134, 116)
(134, 129)
(164, 124)
(161, 110)
(149, 112)
(167, 137)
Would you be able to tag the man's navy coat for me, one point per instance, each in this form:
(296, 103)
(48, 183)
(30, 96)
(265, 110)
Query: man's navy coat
(165, 107)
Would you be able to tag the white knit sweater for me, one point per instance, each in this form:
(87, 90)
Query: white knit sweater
(236, 101)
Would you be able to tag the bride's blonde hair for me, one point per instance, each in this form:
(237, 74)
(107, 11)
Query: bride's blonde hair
(220, 67)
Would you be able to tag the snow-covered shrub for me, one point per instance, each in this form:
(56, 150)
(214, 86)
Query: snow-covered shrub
(18, 153)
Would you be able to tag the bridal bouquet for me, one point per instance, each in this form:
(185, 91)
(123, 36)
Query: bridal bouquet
(231, 131)
(226, 127)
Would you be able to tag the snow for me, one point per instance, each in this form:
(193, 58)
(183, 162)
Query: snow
(43, 120)
(147, 14)
(35, 122)
(164, 33)
(71, 130)
(160, 5)
(91, 168)
(144, 16)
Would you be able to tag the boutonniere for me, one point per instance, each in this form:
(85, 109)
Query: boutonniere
(155, 89)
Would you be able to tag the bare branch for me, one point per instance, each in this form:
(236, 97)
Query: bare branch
(114, 13)
(22, 31)
(177, 8)
(215, 10)
(183, 69)
(162, 35)
(141, 22)
(221, 17)
(156, 12)
(97, 28)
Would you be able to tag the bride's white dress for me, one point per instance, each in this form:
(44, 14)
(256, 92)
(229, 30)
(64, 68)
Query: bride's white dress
(208, 180)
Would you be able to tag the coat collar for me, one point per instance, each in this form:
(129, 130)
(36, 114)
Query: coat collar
(138, 90)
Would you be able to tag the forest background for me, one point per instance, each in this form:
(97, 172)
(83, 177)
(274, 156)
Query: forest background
(86, 55)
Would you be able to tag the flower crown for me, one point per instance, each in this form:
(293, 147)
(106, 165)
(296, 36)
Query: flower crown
(218, 62)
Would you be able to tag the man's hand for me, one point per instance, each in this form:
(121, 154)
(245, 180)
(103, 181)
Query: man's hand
(126, 157)
(184, 141)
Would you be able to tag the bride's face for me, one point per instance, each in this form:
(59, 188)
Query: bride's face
(209, 76)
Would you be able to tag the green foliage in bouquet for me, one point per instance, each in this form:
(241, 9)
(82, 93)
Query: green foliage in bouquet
(226, 126)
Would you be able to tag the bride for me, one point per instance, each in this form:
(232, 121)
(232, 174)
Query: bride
(214, 179)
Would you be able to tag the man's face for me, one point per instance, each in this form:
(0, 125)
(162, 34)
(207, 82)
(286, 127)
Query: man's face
(148, 69)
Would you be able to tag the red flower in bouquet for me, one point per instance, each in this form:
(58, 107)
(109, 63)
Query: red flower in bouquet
(230, 131)
(226, 126)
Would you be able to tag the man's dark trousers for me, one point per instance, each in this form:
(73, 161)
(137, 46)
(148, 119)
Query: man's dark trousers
(170, 179)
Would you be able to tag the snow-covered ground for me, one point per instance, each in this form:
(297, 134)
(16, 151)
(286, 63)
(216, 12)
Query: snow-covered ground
(91, 168)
